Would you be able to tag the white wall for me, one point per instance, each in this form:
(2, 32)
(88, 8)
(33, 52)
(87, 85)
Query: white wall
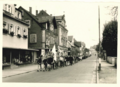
(15, 42)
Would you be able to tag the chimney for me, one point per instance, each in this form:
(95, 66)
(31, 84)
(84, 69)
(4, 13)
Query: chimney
(36, 12)
(15, 5)
(51, 15)
(30, 10)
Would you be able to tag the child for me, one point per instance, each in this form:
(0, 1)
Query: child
(43, 66)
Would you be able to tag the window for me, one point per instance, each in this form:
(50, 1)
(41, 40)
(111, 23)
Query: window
(5, 28)
(28, 22)
(22, 13)
(4, 25)
(18, 14)
(24, 33)
(11, 28)
(9, 9)
(46, 26)
(33, 38)
(18, 30)
(6, 7)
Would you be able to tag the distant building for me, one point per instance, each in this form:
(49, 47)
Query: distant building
(15, 37)
(62, 34)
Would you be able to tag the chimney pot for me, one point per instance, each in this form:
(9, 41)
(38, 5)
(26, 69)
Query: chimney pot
(30, 10)
(36, 12)
(50, 14)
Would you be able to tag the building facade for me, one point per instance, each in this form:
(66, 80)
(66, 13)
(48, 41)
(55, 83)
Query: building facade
(62, 35)
(42, 33)
(15, 37)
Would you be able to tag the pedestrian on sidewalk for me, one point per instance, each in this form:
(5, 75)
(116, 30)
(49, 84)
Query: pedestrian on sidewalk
(39, 63)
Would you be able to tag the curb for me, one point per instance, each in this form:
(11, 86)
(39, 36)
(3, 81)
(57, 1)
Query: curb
(18, 74)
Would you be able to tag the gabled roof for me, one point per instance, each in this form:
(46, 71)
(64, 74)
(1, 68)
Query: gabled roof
(78, 44)
(31, 15)
(42, 13)
(82, 44)
(59, 18)
(45, 19)
(75, 40)
(70, 38)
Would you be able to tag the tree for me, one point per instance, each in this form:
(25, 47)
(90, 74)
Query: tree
(113, 11)
(109, 42)
(99, 47)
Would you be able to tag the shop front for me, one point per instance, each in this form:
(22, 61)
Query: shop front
(17, 57)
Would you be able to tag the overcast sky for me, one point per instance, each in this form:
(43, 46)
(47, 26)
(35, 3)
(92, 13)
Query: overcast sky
(81, 18)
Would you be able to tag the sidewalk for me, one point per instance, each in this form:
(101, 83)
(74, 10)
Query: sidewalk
(108, 73)
(19, 70)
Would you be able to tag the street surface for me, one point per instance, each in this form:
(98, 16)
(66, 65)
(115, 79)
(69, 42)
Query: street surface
(82, 72)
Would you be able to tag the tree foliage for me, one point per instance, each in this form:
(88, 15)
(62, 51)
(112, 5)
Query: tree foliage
(99, 47)
(109, 42)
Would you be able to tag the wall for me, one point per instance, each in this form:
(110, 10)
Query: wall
(15, 42)
(34, 29)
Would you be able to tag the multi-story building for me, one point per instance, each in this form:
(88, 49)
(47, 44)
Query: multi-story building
(71, 48)
(82, 48)
(62, 34)
(42, 30)
(77, 46)
(15, 37)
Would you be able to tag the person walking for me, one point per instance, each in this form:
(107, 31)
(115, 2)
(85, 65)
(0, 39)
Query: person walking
(39, 63)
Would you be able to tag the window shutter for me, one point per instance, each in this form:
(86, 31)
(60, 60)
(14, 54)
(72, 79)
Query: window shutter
(33, 38)
(16, 30)
(21, 31)
(9, 27)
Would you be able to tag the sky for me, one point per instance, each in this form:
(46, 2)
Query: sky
(81, 18)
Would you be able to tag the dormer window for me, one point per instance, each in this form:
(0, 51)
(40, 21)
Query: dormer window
(9, 9)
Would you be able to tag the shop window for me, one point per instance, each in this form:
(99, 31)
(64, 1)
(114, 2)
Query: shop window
(6, 56)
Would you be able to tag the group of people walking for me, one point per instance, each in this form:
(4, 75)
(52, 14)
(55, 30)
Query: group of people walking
(48, 64)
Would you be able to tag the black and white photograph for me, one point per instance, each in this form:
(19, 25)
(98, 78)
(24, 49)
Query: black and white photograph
(59, 42)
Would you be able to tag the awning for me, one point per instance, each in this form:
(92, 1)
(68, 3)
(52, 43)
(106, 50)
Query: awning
(28, 49)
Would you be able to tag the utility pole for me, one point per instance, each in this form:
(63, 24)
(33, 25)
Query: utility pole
(99, 37)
